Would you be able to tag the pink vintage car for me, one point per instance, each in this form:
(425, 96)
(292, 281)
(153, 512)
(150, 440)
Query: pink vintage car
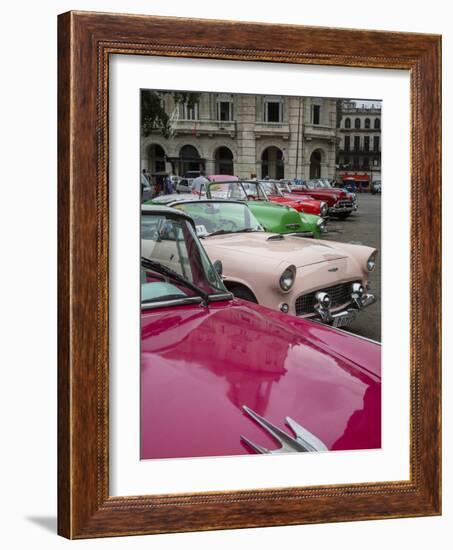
(323, 280)
(222, 376)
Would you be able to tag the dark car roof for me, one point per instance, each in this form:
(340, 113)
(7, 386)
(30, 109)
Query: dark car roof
(157, 209)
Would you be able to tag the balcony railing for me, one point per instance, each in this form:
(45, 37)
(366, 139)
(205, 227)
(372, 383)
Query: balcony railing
(206, 126)
(319, 130)
(271, 128)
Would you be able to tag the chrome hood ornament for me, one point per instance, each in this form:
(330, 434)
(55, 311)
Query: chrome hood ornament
(304, 442)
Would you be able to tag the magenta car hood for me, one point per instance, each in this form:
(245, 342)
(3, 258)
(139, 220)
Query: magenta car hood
(201, 365)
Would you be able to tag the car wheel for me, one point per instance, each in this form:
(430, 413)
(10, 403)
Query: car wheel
(244, 294)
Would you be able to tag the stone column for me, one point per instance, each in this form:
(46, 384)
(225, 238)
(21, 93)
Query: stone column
(246, 147)
(210, 166)
(294, 146)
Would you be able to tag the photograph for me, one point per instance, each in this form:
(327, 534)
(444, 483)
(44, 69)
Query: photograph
(260, 274)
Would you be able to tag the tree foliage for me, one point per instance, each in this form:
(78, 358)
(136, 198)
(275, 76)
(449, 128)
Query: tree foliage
(154, 117)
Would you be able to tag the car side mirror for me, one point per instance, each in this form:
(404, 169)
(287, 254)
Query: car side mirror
(218, 267)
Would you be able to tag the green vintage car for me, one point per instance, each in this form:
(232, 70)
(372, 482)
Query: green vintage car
(274, 217)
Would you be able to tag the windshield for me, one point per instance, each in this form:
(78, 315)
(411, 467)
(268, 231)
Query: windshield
(181, 266)
(311, 184)
(325, 184)
(284, 187)
(220, 217)
(318, 184)
(237, 190)
(227, 190)
(271, 188)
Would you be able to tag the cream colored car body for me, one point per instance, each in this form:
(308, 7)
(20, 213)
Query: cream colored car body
(257, 261)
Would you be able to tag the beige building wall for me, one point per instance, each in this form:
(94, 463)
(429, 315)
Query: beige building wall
(300, 143)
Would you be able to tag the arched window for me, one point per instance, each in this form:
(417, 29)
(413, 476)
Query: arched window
(156, 159)
(377, 123)
(315, 164)
(224, 161)
(347, 122)
(190, 160)
(367, 123)
(272, 165)
(357, 123)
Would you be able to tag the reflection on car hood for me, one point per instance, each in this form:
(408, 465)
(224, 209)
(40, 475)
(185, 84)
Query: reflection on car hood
(199, 366)
(296, 250)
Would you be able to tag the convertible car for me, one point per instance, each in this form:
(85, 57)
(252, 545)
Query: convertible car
(327, 281)
(262, 205)
(281, 193)
(222, 376)
(273, 217)
(341, 203)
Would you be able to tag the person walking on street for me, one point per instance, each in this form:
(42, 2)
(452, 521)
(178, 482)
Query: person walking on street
(144, 182)
(168, 186)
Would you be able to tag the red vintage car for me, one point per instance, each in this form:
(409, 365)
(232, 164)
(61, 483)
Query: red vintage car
(221, 376)
(341, 203)
(281, 193)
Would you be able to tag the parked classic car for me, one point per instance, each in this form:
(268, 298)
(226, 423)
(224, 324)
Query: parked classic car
(222, 376)
(280, 193)
(273, 217)
(341, 203)
(327, 281)
(263, 208)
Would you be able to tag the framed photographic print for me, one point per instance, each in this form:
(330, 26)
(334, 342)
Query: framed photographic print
(249, 325)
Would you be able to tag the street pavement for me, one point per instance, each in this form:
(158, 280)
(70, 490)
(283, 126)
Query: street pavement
(364, 227)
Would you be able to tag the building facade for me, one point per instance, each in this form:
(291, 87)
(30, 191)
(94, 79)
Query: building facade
(359, 143)
(246, 135)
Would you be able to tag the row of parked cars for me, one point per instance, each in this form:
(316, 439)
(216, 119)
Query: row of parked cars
(241, 306)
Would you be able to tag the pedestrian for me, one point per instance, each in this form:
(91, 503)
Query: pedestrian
(144, 182)
(168, 186)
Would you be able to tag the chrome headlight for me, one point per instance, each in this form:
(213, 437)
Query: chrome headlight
(321, 225)
(324, 209)
(287, 278)
(371, 262)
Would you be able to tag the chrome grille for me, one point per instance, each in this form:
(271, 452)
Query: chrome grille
(339, 294)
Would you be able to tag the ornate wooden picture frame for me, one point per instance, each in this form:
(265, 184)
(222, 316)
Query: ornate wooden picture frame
(86, 40)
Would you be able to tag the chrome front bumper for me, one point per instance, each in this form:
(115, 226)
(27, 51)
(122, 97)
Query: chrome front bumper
(341, 209)
(346, 316)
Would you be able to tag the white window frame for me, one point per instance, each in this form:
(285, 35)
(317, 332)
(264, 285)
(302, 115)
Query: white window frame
(278, 100)
(313, 114)
(229, 101)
